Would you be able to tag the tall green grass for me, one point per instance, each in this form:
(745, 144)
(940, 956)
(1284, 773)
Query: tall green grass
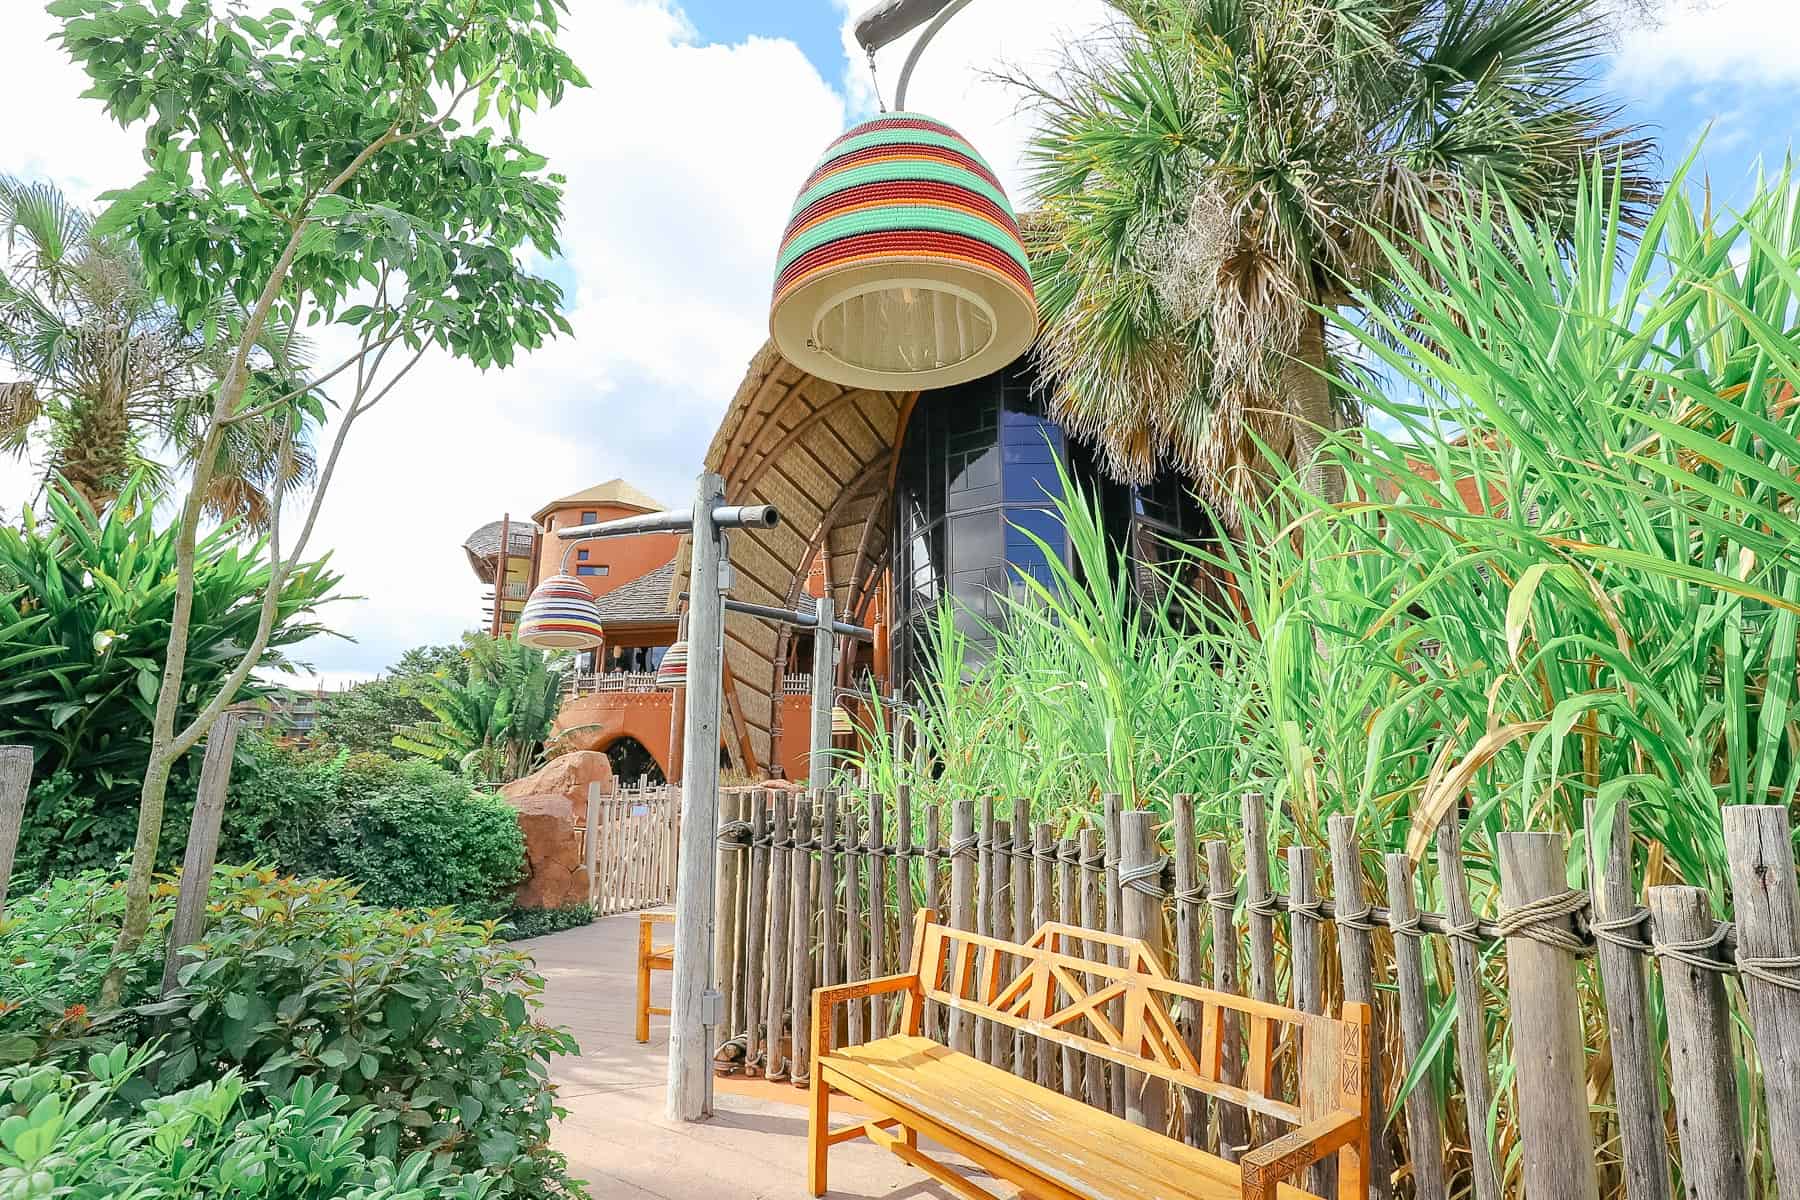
(1568, 571)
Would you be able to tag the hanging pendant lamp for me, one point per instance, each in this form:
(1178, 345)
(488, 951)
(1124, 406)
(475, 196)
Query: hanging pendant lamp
(840, 721)
(902, 266)
(671, 672)
(561, 615)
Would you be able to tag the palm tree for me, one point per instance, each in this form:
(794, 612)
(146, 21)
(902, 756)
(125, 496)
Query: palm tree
(491, 714)
(109, 376)
(1214, 174)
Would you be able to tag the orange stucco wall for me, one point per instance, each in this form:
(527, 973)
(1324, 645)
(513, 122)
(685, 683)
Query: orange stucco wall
(626, 558)
(616, 715)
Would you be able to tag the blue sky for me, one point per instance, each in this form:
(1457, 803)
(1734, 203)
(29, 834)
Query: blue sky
(682, 160)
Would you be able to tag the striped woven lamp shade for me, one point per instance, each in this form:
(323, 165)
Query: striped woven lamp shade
(561, 615)
(902, 265)
(671, 672)
(840, 721)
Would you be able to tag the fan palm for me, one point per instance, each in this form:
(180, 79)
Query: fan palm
(492, 714)
(109, 375)
(1209, 177)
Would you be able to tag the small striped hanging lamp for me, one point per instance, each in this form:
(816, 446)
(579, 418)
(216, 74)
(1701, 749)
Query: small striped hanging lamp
(671, 672)
(561, 615)
(840, 721)
(902, 265)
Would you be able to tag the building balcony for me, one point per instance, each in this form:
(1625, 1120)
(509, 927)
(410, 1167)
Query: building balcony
(588, 683)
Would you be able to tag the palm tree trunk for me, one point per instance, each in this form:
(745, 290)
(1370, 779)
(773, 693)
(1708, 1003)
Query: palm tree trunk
(1306, 392)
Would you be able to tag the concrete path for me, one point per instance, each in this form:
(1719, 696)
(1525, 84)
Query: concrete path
(616, 1136)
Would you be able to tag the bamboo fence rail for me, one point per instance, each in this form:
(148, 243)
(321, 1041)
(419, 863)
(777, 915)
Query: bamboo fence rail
(820, 890)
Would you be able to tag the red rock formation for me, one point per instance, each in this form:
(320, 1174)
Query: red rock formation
(550, 803)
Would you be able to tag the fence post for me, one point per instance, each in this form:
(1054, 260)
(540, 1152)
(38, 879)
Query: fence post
(831, 950)
(1221, 898)
(731, 869)
(1112, 805)
(1023, 1047)
(1189, 935)
(1702, 1072)
(903, 870)
(1140, 873)
(962, 905)
(1356, 957)
(877, 914)
(1094, 1073)
(984, 921)
(1471, 1017)
(590, 841)
(202, 846)
(1068, 879)
(1760, 852)
(1308, 965)
(15, 788)
(1644, 1138)
(855, 965)
(1424, 1131)
(780, 978)
(756, 930)
(1043, 887)
(1556, 1139)
(800, 941)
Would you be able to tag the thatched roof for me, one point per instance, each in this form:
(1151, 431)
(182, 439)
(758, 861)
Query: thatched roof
(643, 601)
(483, 546)
(824, 455)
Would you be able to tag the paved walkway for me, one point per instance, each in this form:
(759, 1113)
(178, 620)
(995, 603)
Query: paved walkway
(616, 1136)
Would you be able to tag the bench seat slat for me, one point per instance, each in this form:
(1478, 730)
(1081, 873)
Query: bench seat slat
(1059, 1139)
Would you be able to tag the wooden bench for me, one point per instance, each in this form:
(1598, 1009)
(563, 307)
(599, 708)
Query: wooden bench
(651, 957)
(1057, 1148)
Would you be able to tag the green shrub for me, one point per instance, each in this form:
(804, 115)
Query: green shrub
(63, 1134)
(85, 606)
(419, 1017)
(412, 834)
(522, 923)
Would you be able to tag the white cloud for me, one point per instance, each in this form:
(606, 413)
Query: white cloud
(1743, 42)
(682, 161)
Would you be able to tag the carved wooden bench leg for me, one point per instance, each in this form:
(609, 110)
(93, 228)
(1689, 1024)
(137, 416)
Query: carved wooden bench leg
(818, 1132)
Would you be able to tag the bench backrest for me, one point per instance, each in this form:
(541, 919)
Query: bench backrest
(1127, 1010)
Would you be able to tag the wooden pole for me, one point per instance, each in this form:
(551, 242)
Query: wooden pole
(778, 982)
(831, 941)
(202, 846)
(1068, 884)
(824, 692)
(732, 855)
(1043, 887)
(903, 868)
(590, 841)
(756, 930)
(1643, 1136)
(500, 572)
(1308, 965)
(1096, 1080)
(877, 912)
(694, 1000)
(1356, 957)
(1147, 1097)
(1424, 1131)
(962, 905)
(1767, 904)
(1556, 1141)
(1111, 805)
(1703, 1064)
(1234, 1129)
(1019, 1052)
(1190, 936)
(15, 789)
(800, 917)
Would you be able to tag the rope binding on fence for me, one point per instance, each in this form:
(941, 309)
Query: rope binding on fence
(1146, 877)
(1546, 921)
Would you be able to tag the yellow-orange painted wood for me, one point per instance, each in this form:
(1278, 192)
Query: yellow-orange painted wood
(651, 957)
(1052, 1146)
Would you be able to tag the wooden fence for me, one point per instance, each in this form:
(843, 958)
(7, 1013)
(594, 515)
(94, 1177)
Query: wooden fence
(629, 840)
(1516, 1012)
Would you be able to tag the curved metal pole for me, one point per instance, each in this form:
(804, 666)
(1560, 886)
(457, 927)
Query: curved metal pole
(918, 48)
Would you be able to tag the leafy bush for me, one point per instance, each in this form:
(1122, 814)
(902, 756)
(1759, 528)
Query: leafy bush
(411, 833)
(67, 1134)
(524, 923)
(420, 1018)
(85, 605)
(363, 718)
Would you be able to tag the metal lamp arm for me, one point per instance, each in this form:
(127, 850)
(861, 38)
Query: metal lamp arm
(889, 21)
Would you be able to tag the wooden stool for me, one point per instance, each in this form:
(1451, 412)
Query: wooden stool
(650, 957)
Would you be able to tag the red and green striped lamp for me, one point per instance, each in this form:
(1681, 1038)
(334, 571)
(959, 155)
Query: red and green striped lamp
(671, 672)
(902, 265)
(561, 615)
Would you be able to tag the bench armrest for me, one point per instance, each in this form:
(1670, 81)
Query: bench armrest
(827, 998)
(1277, 1161)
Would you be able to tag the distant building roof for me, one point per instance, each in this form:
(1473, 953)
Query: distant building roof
(643, 601)
(616, 492)
(483, 546)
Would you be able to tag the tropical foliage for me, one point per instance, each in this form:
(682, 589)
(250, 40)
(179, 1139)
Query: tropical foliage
(1212, 179)
(110, 377)
(1570, 576)
(350, 162)
(86, 604)
(363, 718)
(423, 1024)
(491, 718)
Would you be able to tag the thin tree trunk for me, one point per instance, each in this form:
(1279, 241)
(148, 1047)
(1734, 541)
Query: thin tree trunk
(1307, 395)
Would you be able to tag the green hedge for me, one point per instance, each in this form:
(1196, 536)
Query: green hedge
(409, 833)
